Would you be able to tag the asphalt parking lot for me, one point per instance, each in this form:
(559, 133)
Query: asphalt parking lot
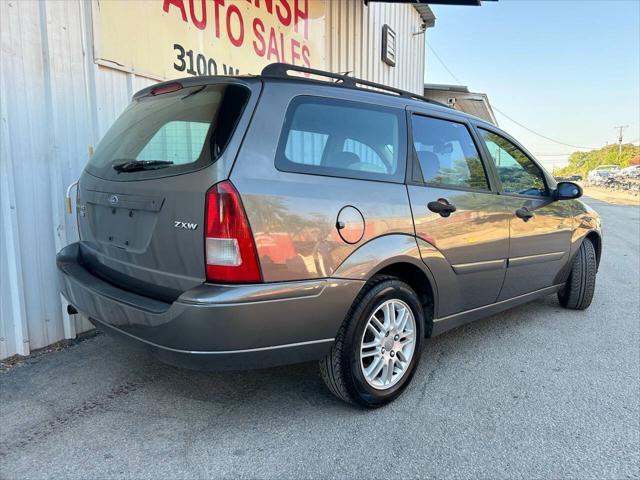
(536, 392)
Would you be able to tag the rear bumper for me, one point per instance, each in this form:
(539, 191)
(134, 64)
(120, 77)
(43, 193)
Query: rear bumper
(215, 326)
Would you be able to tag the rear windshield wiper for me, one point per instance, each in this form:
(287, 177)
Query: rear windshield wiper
(137, 165)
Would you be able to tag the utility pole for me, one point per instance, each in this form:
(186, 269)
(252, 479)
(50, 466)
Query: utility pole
(620, 135)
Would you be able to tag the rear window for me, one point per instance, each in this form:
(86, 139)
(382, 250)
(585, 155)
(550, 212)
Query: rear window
(173, 132)
(180, 142)
(343, 139)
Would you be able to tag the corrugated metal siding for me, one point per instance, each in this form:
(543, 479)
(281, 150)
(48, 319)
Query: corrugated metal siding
(354, 42)
(55, 104)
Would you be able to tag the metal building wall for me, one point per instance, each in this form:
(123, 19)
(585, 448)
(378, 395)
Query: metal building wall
(354, 42)
(56, 103)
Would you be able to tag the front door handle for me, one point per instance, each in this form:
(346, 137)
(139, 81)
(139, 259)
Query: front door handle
(442, 207)
(524, 213)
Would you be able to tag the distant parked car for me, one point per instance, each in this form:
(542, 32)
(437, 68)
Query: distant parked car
(629, 172)
(571, 178)
(601, 173)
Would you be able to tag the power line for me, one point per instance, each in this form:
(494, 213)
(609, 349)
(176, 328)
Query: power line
(504, 114)
(443, 64)
(569, 153)
(540, 134)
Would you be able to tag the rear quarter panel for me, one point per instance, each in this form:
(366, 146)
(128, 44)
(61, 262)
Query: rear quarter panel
(293, 215)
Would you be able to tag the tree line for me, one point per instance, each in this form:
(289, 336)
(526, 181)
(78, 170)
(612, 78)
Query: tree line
(581, 163)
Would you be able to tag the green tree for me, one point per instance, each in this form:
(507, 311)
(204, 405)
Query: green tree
(581, 163)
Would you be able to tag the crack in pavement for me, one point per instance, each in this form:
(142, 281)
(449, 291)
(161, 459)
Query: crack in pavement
(87, 408)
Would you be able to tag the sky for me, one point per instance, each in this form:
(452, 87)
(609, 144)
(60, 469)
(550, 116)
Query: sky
(567, 69)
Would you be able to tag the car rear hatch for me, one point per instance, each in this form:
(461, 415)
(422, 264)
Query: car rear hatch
(141, 199)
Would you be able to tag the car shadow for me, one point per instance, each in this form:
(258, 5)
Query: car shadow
(300, 386)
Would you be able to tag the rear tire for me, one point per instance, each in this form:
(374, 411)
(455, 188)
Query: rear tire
(344, 369)
(578, 291)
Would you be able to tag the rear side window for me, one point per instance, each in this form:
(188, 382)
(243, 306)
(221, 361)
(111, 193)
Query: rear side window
(180, 131)
(343, 139)
(446, 154)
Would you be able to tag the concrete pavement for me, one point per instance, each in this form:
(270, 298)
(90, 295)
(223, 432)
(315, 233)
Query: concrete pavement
(534, 392)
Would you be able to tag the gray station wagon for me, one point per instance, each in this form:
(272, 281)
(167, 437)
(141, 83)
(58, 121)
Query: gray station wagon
(246, 222)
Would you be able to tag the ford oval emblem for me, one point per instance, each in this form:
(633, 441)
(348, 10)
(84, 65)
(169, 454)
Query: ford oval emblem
(113, 199)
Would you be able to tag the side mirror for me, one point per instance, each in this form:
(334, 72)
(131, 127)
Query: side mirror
(568, 191)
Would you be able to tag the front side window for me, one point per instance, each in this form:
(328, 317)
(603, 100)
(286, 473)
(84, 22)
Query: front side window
(447, 155)
(343, 139)
(518, 173)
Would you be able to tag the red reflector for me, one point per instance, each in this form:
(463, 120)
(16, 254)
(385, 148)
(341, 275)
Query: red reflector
(170, 87)
(230, 251)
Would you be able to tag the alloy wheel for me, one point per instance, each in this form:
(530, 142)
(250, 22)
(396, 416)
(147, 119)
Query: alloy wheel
(388, 344)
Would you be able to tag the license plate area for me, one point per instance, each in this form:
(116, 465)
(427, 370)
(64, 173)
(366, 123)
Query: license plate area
(123, 221)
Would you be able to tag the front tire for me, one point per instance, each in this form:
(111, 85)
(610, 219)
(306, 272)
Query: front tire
(377, 348)
(578, 291)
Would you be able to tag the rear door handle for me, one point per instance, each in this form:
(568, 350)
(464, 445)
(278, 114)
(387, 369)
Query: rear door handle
(442, 207)
(524, 213)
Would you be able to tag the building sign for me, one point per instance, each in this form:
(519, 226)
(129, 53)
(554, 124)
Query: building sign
(165, 39)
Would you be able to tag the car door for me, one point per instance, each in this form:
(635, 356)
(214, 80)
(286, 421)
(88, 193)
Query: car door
(540, 228)
(456, 211)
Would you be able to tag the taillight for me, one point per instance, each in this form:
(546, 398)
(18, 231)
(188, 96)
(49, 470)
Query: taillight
(230, 251)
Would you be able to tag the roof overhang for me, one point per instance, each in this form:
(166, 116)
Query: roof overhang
(422, 6)
(476, 3)
(460, 98)
(446, 88)
(428, 18)
(435, 2)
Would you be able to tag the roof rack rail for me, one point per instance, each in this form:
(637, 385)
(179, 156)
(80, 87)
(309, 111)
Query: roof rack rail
(281, 70)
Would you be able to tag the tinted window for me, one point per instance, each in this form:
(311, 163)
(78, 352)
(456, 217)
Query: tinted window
(189, 127)
(446, 154)
(517, 172)
(344, 139)
(366, 154)
(180, 142)
(306, 147)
